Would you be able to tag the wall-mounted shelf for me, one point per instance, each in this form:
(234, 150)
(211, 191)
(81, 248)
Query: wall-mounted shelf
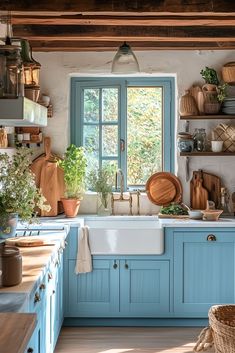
(204, 154)
(208, 117)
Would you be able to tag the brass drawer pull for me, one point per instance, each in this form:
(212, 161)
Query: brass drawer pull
(37, 297)
(42, 286)
(211, 237)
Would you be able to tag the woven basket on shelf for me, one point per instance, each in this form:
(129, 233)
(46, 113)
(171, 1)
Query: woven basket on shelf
(226, 133)
(228, 73)
(222, 323)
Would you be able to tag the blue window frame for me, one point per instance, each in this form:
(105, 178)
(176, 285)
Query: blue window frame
(81, 122)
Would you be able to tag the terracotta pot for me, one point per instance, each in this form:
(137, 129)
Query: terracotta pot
(71, 207)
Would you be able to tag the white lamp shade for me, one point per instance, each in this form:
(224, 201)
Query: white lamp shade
(125, 62)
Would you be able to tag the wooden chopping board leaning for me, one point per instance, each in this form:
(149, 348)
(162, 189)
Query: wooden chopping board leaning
(211, 183)
(49, 178)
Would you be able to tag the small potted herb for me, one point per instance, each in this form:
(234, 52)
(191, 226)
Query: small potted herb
(19, 195)
(74, 168)
(210, 76)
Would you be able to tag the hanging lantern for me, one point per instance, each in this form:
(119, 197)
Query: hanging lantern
(31, 66)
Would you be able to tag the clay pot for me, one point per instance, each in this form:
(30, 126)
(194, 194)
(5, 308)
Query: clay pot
(187, 105)
(71, 207)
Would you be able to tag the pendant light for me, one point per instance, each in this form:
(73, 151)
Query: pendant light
(125, 62)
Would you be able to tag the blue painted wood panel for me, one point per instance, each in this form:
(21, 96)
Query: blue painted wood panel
(204, 271)
(96, 293)
(144, 288)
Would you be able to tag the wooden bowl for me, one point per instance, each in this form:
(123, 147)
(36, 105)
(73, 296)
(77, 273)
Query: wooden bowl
(211, 215)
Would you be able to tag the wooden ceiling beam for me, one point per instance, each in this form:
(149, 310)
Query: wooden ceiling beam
(78, 46)
(85, 20)
(120, 6)
(125, 33)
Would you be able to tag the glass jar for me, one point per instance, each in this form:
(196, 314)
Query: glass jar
(11, 72)
(103, 204)
(11, 264)
(199, 138)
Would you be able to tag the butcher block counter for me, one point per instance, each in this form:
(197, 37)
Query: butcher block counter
(15, 331)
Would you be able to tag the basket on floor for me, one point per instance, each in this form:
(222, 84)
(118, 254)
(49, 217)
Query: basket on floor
(221, 332)
(222, 323)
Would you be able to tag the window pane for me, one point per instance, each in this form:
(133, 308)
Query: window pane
(91, 105)
(144, 133)
(109, 104)
(91, 144)
(110, 140)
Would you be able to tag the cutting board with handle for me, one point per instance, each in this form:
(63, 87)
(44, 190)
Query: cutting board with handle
(211, 182)
(31, 241)
(199, 194)
(49, 178)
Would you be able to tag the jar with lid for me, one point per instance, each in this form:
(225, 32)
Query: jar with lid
(11, 266)
(11, 72)
(199, 138)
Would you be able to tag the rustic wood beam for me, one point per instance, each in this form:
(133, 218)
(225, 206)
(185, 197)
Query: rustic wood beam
(173, 20)
(120, 6)
(77, 46)
(116, 33)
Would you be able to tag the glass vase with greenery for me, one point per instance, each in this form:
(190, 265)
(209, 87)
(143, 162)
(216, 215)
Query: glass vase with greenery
(101, 182)
(19, 195)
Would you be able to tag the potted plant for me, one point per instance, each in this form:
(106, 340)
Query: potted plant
(210, 77)
(74, 168)
(101, 182)
(19, 195)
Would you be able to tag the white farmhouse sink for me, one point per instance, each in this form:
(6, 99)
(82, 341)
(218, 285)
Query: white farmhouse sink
(125, 235)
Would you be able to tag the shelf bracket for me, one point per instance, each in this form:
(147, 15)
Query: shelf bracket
(186, 126)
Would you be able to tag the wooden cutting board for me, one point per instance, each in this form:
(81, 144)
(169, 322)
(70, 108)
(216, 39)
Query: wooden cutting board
(28, 241)
(49, 178)
(163, 188)
(211, 182)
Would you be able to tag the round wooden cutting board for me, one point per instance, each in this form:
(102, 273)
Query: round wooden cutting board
(163, 188)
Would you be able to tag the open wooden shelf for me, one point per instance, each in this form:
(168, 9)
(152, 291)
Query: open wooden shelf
(209, 117)
(210, 154)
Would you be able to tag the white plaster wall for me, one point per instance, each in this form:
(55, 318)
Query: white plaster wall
(185, 65)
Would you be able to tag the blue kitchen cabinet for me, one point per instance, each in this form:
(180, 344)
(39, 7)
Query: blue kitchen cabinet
(204, 270)
(120, 288)
(144, 288)
(33, 345)
(94, 294)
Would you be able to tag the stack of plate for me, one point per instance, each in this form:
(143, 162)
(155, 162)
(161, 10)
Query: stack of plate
(229, 106)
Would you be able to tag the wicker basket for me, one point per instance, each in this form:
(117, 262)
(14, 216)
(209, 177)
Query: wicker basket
(225, 133)
(222, 323)
(228, 73)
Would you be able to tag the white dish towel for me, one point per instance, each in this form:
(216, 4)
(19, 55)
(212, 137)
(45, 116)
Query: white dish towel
(84, 262)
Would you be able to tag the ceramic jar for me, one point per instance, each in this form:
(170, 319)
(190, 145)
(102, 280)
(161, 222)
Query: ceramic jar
(184, 142)
(11, 264)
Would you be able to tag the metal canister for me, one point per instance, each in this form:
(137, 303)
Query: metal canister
(11, 266)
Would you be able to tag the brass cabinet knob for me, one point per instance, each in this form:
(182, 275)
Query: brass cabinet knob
(37, 297)
(49, 276)
(211, 237)
(42, 286)
(30, 350)
(115, 265)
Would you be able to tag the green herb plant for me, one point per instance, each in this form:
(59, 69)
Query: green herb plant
(18, 191)
(74, 167)
(174, 209)
(210, 76)
(222, 92)
(101, 182)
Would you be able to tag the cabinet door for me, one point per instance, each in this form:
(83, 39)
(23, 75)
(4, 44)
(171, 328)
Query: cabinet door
(94, 294)
(204, 271)
(33, 345)
(144, 288)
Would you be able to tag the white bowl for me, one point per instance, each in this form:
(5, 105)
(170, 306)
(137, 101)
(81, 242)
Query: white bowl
(195, 214)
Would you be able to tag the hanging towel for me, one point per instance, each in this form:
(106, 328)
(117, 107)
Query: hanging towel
(84, 262)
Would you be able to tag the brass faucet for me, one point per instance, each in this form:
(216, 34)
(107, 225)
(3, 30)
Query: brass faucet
(121, 198)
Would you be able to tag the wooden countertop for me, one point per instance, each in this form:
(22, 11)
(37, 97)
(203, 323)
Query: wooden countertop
(15, 331)
(35, 260)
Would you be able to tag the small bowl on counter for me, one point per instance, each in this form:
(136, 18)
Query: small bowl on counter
(195, 214)
(211, 215)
